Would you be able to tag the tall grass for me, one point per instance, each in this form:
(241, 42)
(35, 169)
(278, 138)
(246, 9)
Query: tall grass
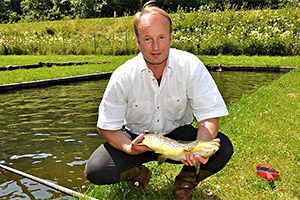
(250, 32)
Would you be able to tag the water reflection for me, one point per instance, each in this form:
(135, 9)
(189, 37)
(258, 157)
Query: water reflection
(233, 85)
(51, 132)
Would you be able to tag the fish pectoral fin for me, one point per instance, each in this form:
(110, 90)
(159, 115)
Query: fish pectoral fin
(161, 159)
(197, 166)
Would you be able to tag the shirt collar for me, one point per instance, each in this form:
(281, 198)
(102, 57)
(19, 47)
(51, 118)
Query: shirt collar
(143, 66)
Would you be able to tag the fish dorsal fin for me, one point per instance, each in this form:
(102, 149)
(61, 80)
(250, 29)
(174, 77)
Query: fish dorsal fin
(188, 149)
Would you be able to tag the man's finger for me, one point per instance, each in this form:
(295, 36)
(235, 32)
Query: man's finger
(190, 158)
(138, 138)
(202, 160)
(184, 162)
(217, 140)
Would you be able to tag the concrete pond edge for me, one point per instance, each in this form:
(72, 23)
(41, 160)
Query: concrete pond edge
(50, 82)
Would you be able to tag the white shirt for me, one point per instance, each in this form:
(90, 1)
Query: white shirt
(133, 97)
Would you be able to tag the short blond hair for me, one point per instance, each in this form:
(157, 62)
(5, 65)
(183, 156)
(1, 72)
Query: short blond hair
(149, 9)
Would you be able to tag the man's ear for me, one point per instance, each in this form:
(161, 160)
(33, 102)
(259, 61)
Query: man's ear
(137, 40)
(171, 37)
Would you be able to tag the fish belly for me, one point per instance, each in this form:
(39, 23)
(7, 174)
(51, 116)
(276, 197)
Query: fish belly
(176, 157)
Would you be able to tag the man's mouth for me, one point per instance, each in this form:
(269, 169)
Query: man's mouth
(155, 53)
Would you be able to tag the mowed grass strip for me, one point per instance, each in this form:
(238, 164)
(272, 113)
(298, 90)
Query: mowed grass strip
(43, 73)
(25, 75)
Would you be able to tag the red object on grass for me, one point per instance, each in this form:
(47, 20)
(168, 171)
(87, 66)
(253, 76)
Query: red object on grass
(267, 172)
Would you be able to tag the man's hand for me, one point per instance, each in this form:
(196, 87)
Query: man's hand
(120, 141)
(134, 147)
(208, 130)
(191, 159)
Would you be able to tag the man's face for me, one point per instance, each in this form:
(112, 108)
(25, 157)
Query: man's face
(154, 38)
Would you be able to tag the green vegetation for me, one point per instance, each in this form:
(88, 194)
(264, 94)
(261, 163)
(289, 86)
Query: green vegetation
(25, 75)
(264, 128)
(248, 32)
(40, 10)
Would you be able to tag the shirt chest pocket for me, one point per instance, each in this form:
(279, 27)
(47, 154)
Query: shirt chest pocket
(176, 109)
(139, 113)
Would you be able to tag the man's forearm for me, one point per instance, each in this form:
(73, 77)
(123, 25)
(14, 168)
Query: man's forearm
(117, 139)
(208, 129)
(120, 141)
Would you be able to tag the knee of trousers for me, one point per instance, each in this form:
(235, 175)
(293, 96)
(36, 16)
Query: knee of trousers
(100, 175)
(227, 148)
(221, 158)
(226, 151)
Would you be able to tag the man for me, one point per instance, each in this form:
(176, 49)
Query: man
(160, 90)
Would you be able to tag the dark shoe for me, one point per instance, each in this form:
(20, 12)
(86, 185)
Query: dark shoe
(139, 177)
(187, 180)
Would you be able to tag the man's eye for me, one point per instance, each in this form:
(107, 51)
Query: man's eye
(147, 39)
(161, 37)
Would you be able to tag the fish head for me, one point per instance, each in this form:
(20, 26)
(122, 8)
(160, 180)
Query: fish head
(206, 149)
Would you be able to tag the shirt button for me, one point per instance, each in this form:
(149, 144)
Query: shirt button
(177, 100)
(157, 120)
(136, 105)
(157, 107)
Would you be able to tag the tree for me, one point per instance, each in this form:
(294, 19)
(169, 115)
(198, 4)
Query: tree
(4, 10)
(15, 6)
(35, 10)
(87, 8)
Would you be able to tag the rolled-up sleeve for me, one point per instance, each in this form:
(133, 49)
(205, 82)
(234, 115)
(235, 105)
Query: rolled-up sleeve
(113, 106)
(204, 96)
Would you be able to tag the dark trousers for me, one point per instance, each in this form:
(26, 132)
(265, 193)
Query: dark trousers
(107, 163)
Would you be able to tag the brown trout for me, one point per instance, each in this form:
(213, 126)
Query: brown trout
(174, 150)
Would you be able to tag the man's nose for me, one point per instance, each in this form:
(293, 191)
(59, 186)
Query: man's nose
(155, 44)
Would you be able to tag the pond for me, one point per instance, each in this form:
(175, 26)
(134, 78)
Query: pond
(51, 132)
